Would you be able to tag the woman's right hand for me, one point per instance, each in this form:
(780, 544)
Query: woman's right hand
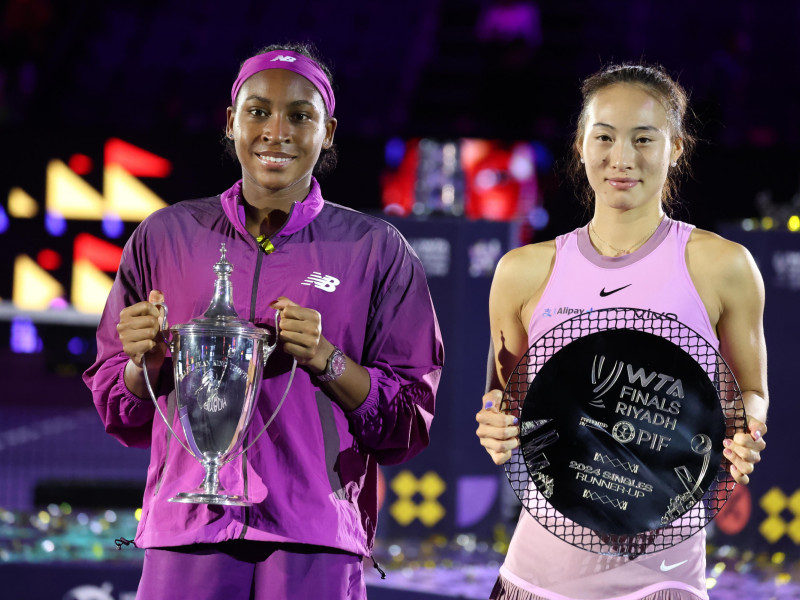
(497, 431)
(139, 330)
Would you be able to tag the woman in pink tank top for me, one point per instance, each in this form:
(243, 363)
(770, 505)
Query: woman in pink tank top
(631, 145)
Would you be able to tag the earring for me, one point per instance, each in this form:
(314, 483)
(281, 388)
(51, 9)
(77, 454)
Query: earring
(581, 159)
(674, 163)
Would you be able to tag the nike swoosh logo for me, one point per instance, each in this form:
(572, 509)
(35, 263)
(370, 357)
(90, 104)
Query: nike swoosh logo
(604, 293)
(665, 567)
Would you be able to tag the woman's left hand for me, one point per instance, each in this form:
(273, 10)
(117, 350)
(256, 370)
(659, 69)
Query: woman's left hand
(301, 334)
(744, 450)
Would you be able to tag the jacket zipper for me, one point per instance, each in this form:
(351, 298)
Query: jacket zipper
(253, 297)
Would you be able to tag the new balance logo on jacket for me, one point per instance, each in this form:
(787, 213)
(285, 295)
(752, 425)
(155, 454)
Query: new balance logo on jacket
(326, 283)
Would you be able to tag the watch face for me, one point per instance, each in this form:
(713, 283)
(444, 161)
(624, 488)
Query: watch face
(337, 364)
(335, 368)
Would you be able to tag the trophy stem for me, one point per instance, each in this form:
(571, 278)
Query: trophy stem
(210, 491)
(211, 481)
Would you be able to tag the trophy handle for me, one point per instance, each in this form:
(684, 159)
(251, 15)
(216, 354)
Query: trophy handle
(274, 414)
(165, 332)
(160, 412)
(267, 350)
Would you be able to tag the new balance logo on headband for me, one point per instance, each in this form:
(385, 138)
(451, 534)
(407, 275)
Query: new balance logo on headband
(326, 283)
(283, 58)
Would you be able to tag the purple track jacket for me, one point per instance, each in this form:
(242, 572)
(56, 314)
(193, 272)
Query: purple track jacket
(313, 473)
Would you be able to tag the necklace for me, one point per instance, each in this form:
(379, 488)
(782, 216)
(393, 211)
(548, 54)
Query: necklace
(620, 252)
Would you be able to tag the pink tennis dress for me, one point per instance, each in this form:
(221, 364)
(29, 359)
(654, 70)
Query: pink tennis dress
(539, 565)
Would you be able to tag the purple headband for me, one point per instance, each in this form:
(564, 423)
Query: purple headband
(290, 61)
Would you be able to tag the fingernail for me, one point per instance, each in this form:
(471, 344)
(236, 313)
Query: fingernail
(727, 452)
(727, 443)
(516, 420)
(489, 404)
(756, 435)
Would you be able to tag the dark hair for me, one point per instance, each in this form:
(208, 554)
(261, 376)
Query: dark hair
(656, 82)
(326, 162)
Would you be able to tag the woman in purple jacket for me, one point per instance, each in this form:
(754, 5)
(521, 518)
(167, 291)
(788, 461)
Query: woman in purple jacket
(355, 312)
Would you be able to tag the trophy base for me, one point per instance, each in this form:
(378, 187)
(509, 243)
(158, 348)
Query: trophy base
(201, 497)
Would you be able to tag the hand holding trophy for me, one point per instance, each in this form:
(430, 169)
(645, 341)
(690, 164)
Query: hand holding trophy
(218, 364)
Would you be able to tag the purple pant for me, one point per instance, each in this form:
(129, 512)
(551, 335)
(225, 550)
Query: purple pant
(245, 570)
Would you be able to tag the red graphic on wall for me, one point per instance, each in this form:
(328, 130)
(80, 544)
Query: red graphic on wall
(735, 515)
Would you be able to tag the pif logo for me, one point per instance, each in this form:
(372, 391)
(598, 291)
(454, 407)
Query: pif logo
(430, 486)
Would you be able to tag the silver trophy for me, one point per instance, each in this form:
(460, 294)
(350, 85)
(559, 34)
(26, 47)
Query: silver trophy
(218, 363)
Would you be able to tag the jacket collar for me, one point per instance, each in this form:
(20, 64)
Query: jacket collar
(300, 215)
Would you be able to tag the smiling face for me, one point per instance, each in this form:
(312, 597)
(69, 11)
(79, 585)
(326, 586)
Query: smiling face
(279, 128)
(627, 147)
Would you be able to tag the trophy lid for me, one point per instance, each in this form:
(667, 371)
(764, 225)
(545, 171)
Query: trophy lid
(220, 316)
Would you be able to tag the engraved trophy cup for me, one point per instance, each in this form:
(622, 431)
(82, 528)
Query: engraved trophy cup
(218, 363)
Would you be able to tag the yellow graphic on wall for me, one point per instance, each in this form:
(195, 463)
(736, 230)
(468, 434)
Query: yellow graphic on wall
(774, 527)
(70, 197)
(90, 287)
(21, 205)
(430, 486)
(127, 197)
(33, 287)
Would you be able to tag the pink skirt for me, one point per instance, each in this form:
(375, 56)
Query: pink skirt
(505, 590)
